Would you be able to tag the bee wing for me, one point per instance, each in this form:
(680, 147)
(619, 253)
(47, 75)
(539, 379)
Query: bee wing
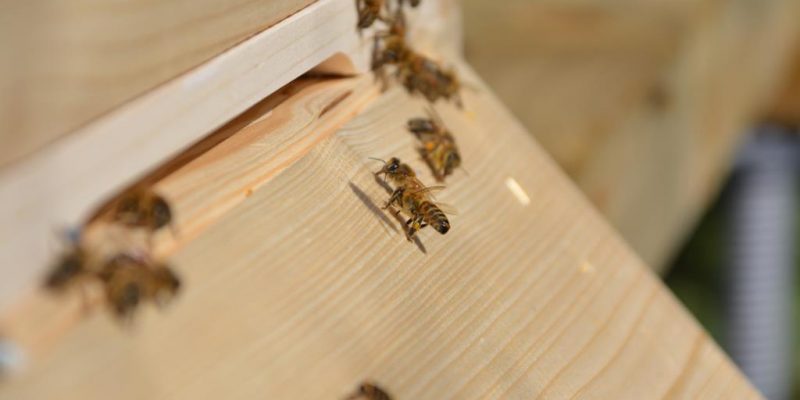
(429, 190)
(447, 208)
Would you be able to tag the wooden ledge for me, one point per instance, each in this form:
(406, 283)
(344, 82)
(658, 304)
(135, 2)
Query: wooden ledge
(306, 287)
(60, 185)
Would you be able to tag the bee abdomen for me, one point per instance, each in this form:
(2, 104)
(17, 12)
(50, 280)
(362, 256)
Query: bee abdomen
(435, 217)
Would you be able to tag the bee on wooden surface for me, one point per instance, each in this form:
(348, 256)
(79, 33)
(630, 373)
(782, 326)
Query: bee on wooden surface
(421, 209)
(426, 77)
(414, 199)
(369, 11)
(390, 46)
(70, 266)
(417, 73)
(143, 208)
(130, 281)
(438, 148)
(369, 391)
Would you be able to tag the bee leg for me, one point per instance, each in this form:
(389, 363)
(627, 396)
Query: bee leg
(396, 214)
(412, 229)
(360, 9)
(377, 58)
(395, 197)
(410, 234)
(421, 222)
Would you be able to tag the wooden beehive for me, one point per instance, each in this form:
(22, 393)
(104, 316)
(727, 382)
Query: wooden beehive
(297, 284)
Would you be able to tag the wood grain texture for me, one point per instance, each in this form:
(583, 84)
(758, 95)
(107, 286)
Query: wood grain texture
(65, 63)
(211, 178)
(642, 103)
(306, 287)
(61, 184)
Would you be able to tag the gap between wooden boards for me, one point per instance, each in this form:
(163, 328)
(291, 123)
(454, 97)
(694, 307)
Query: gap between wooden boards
(208, 180)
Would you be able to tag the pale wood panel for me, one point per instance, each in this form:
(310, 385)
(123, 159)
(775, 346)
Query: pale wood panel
(572, 70)
(641, 102)
(211, 178)
(669, 158)
(63, 63)
(59, 185)
(306, 287)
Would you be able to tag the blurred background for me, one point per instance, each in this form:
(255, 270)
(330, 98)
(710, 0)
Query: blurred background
(679, 120)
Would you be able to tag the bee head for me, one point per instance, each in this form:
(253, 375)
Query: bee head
(392, 166)
(389, 167)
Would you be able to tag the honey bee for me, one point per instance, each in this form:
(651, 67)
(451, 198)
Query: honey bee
(130, 281)
(370, 391)
(414, 199)
(417, 73)
(438, 145)
(426, 77)
(143, 208)
(369, 11)
(390, 47)
(113, 257)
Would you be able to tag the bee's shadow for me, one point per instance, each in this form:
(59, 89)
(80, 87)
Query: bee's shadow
(381, 214)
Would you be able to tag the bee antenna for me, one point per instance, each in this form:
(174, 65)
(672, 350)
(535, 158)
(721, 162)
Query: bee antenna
(379, 172)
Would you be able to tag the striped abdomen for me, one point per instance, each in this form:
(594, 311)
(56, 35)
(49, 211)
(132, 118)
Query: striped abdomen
(434, 217)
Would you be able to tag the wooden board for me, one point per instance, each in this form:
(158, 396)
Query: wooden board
(641, 102)
(570, 71)
(65, 63)
(60, 185)
(306, 288)
(672, 156)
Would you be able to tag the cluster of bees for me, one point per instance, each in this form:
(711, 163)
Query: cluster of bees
(115, 256)
(115, 252)
(416, 72)
(424, 76)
